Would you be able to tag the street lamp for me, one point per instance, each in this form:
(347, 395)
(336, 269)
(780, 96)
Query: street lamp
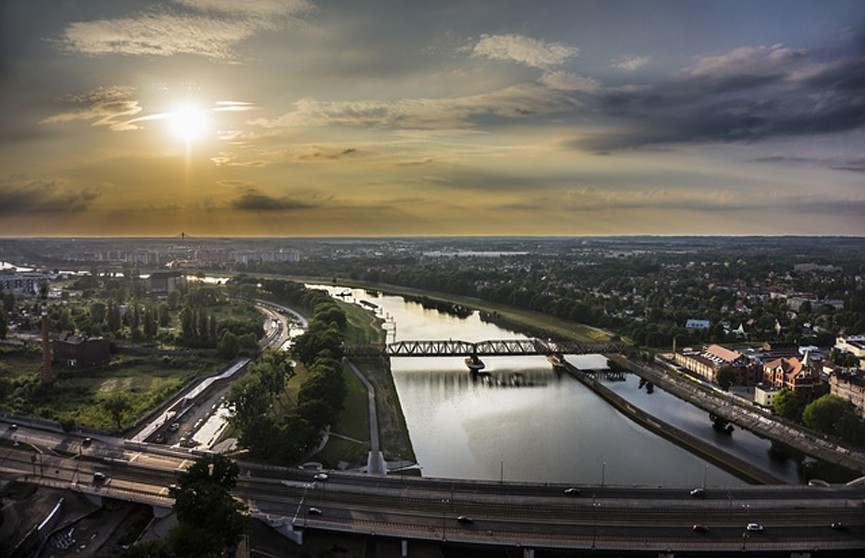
(444, 509)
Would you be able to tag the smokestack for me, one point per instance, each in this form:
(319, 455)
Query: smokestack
(47, 373)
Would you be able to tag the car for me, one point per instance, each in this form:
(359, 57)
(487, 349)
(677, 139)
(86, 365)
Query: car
(99, 477)
(320, 476)
(838, 526)
(313, 511)
(698, 492)
(700, 528)
(174, 426)
(86, 442)
(172, 490)
(465, 520)
(13, 427)
(754, 527)
(572, 491)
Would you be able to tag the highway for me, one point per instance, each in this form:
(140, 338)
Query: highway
(503, 514)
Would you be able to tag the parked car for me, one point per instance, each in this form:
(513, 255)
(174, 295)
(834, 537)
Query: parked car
(86, 442)
(320, 476)
(99, 477)
(838, 526)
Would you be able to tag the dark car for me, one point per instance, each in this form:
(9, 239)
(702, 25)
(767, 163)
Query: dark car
(86, 442)
(99, 477)
(698, 492)
(313, 511)
(572, 491)
(465, 520)
(838, 526)
(700, 528)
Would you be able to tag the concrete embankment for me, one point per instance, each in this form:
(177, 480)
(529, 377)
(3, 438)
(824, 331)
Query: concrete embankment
(747, 416)
(676, 435)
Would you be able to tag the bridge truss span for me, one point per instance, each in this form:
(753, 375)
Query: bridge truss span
(495, 347)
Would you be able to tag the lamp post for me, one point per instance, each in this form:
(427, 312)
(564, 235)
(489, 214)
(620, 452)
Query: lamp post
(444, 509)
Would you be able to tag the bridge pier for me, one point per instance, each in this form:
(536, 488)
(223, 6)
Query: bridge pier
(474, 363)
(403, 548)
(528, 553)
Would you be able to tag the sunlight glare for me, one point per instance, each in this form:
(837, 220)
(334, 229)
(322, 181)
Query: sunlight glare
(188, 122)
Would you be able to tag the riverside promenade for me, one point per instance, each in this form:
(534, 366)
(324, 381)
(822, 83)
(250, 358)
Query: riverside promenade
(746, 415)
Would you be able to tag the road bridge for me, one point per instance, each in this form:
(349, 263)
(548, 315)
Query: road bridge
(496, 347)
(649, 520)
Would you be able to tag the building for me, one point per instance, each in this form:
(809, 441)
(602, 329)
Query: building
(765, 395)
(853, 344)
(710, 360)
(697, 324)
(163, 282)
(23, 283)
(800, 376)
(849, 386)
(75, 350)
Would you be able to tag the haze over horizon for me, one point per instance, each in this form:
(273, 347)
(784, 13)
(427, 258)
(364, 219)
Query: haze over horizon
(455, 118)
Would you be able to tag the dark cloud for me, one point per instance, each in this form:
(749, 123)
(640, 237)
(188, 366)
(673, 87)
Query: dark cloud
(253, 200)
(747, 95)
(20, 195)
(852, 165)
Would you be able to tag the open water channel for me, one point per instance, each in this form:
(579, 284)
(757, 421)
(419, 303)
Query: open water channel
(528, 423)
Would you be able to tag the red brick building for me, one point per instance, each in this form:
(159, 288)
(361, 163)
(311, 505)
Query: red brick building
(75, 350)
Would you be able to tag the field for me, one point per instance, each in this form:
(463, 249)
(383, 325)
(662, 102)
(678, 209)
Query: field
(78, 395)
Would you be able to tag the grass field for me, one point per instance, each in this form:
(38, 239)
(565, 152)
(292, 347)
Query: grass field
(77, 394)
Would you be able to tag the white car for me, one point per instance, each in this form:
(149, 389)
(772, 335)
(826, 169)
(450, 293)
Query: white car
(320, 476)
(754, 527)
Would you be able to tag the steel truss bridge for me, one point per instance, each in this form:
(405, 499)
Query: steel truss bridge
(497, 347)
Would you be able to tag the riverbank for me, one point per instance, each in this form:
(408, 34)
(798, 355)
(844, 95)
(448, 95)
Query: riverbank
(526, 321)
(745, 415)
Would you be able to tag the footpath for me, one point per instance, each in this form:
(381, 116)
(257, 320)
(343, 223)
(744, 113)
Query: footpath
(745, 415)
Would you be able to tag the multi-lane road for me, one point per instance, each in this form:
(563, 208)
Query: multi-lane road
(502, 514)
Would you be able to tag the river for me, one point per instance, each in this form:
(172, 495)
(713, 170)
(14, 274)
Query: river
(550, 428)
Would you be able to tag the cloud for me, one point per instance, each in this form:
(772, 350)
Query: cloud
(748, 94)
(253, 200)
(250, 8)
(856, 164)
(566, 81)
(108, 106)
(455, 112)
(630, 63)
(523, 50)
(210, 28)
(20, 194)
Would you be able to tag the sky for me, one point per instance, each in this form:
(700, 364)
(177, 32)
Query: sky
(404, 118)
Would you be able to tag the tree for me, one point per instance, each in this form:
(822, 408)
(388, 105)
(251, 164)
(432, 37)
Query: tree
(828, 413)
(4, 324)
(211, 522)
(726, 376)
(116, 404)
(786, 405)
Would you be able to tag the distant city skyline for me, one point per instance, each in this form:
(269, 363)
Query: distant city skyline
(389, 118)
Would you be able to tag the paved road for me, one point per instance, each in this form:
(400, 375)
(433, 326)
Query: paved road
(504, 514)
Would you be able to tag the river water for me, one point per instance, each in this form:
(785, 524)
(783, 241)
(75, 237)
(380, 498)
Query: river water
(528, 423)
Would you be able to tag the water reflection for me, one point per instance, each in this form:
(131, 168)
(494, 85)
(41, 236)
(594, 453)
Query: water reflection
(554, 431)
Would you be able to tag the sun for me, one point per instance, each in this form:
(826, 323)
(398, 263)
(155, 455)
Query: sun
(188, 122)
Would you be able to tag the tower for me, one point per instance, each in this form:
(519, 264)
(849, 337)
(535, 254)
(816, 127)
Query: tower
(47, 373)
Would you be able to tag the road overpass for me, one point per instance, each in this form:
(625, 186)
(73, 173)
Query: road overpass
(504, 514)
